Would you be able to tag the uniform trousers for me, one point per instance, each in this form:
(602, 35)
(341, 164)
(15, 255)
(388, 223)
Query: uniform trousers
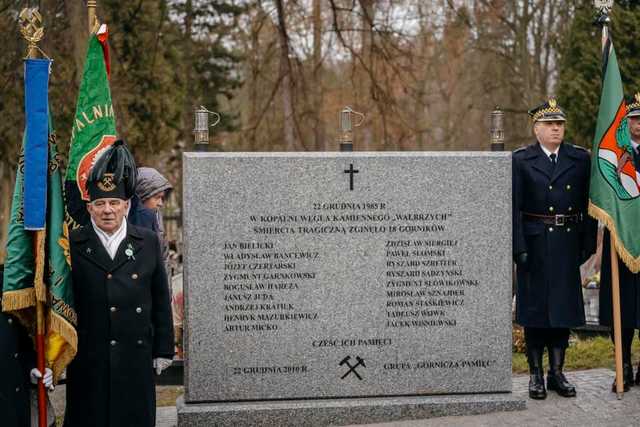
(547, 337)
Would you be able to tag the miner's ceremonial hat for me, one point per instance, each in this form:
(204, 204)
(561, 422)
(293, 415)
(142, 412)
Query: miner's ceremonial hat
(633, 106)
(113, 175)
(550, 111)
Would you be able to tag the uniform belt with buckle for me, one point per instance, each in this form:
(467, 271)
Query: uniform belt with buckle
(558, 220)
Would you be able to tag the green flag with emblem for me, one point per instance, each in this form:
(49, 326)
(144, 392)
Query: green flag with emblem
(94, 127)
(614, 196)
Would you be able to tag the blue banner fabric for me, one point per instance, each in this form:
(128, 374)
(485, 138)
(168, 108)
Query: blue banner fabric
(36, 149)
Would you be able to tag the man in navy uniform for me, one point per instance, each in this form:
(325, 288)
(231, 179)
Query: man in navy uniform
(552, 236)
(629, 282)
(125, 332)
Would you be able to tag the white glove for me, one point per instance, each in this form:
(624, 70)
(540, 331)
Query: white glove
(47, 380)
(160, 364)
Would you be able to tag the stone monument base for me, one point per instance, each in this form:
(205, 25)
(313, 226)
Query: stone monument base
(323, 412)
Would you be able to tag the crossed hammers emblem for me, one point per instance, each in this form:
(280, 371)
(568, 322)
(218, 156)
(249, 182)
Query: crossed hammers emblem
(352, 368)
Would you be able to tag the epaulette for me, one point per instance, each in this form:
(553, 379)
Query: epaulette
(517, 150)
(579, 147)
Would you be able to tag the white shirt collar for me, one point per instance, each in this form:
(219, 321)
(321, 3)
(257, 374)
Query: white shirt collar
(548, 153)
(111, 242)
(634, 144)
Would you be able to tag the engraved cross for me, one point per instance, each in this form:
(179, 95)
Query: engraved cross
(351, 171)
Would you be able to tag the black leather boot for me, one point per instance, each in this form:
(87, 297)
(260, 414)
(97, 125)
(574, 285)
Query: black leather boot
(556, 380)
(536, 379)
(628, 374)
(627, 378)
(627, 368)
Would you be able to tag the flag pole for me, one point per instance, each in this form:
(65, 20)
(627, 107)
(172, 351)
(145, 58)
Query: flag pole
(604, 7)
(32, 31)
(91, 14)
(40, 333)
(617, 323)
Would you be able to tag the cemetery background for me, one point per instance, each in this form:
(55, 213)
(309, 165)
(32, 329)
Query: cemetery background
(426, 77)
(426, 74)
(357, 53)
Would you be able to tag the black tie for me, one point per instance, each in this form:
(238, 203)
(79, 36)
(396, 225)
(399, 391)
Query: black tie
(553, 156)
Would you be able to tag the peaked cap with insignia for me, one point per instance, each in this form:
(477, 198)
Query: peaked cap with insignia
(550, 111)
(633, 106)
(113, 175)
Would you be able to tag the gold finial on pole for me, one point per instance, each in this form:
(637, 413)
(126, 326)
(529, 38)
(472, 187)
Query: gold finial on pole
(603, 8)
(91, 13)
(32, 30)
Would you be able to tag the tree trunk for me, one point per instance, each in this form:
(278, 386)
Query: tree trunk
(368, 13)
(253, 64)
(421, 84)
(525, 66)
(188, 106)
(48, 11)
(78, 34)
(318, 127)
(286, 81)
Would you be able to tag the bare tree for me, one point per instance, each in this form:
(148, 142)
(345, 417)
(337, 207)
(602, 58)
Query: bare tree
(187, 109)
(78, 34)
(286, 89)
(318, 127)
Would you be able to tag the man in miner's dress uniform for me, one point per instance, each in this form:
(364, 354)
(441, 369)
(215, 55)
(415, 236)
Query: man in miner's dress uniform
(124, 315)
(552, 236)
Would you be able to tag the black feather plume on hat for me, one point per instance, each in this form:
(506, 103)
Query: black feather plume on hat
(117, 160)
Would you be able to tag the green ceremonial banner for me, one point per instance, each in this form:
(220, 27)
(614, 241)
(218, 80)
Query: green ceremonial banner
(614, 196)
(94, 127)
(21, 265)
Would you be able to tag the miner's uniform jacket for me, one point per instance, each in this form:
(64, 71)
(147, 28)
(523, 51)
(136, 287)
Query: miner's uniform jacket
(124, 321)
(17, 358)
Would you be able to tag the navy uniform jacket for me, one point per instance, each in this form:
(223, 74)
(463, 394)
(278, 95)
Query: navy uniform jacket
(124, 321)
(549, 292)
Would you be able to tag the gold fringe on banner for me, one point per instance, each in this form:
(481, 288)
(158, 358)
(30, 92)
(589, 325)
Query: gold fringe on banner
(600, 214)
(62, 343)
(19, 299)
(21, 305)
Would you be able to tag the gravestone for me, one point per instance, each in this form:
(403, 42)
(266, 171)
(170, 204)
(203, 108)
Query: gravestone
(337, 288)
